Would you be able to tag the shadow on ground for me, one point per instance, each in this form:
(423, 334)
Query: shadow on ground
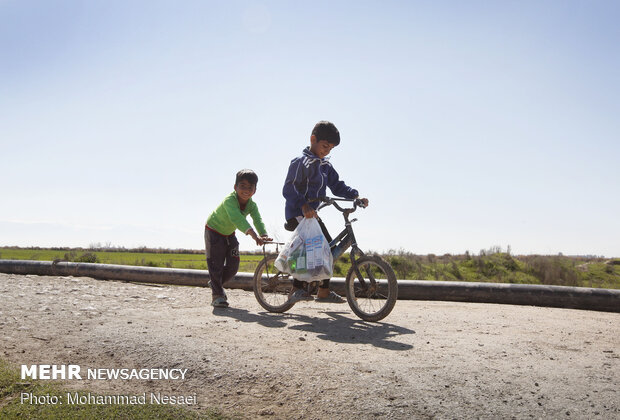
(337, 328)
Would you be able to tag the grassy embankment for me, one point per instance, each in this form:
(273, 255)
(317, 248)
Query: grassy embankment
(489, 266)
(11, 407)
(502, 267)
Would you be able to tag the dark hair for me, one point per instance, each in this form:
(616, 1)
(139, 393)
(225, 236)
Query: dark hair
(247, 174)
(325, 130)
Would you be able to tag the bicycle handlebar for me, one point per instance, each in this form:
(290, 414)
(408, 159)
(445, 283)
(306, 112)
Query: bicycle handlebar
(332, 201)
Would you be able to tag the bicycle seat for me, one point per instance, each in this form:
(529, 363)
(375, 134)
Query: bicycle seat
(291, 224)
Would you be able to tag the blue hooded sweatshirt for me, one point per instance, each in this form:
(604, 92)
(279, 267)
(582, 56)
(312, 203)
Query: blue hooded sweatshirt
(307, 178)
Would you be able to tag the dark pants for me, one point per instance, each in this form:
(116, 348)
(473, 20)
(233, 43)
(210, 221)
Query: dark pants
(222, 259)
(290, 225)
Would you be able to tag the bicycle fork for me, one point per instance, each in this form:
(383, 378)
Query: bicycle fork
(340, 244)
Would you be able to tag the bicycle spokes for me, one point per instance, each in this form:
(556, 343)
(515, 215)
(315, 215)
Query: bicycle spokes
(371, 288)
(271, 287)
(273, 281)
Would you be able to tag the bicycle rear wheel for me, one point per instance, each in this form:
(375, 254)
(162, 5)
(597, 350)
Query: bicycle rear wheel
(271, 287)
(373, 297)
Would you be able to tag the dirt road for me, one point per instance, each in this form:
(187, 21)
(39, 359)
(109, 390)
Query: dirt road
(318, 361)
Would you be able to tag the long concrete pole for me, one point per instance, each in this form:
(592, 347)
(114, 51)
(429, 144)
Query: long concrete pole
(514, 294)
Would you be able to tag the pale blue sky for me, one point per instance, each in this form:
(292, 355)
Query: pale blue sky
(466, 124)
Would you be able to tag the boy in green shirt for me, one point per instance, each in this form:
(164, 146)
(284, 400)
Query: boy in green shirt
(221, 245)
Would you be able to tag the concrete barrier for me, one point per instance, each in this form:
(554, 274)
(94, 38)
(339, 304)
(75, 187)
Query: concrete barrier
(607, 300)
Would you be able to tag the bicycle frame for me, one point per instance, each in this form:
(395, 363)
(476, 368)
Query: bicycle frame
(346, 239)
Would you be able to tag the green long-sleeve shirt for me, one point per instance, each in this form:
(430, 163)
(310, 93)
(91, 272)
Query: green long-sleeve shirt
(228, 217)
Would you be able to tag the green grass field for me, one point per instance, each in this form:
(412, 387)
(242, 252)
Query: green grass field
(171, 260)
(495, 266)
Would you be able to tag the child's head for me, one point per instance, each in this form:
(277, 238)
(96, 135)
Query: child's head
(325, 136)
(245, 183)
(248, 175)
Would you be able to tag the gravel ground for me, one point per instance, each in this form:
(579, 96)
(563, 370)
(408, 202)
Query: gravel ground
(318, 361)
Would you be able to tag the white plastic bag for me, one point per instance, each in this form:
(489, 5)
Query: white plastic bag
(306, 256)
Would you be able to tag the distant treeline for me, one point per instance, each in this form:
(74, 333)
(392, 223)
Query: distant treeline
(109, 248)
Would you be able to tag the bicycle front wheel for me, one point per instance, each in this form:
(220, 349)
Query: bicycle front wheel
(271, 287)
(373, 296)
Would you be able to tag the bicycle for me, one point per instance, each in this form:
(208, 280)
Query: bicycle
(370, 284)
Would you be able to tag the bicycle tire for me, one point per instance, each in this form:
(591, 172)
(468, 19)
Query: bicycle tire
(271, 287)
(368, 303)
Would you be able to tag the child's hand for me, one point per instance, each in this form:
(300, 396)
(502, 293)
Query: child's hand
(308, 211)
(266, 238)
(364, 201)
(259, 240)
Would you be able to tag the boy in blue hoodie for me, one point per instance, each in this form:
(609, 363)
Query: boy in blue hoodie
(307, 179)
